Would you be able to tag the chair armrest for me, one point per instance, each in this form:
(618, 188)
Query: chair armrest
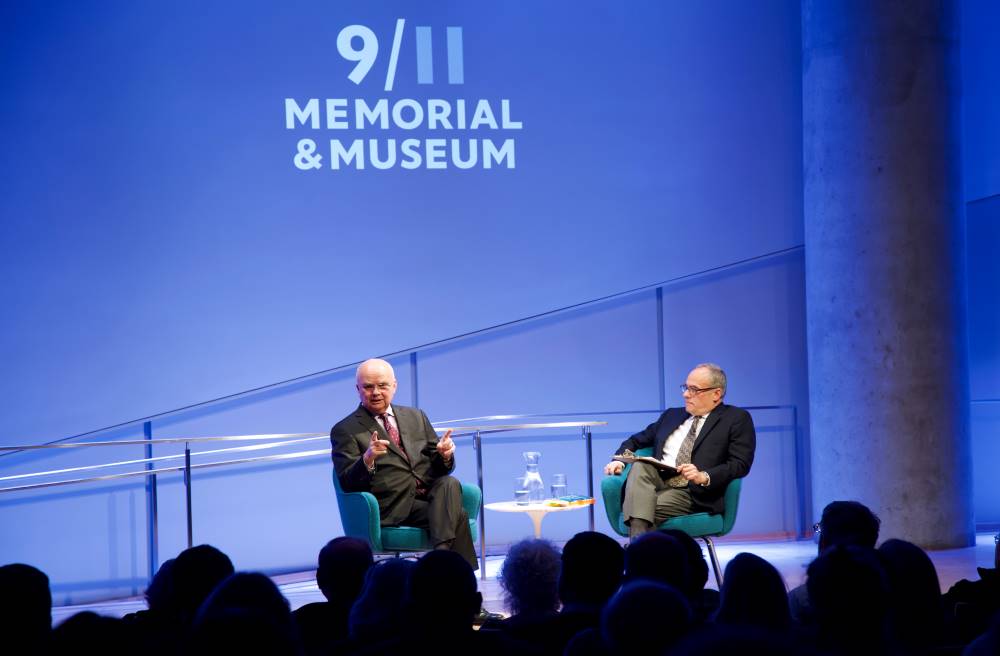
(360, 515)
(611, 491)
(472, 498)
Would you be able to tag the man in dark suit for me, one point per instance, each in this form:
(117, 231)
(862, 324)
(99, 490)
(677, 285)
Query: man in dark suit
(710, 443)
(393, 452)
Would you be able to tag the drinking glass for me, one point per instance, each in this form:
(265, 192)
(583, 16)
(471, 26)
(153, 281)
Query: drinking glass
(558, 485)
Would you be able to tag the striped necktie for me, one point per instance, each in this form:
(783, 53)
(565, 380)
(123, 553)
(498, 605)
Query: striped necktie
(684, 454)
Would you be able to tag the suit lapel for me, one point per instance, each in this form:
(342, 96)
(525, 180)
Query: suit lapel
(713, 419)
(667, 428)
(409, 431)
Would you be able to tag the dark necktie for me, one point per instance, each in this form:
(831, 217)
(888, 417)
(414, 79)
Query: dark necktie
(394, 434)
(684, 454)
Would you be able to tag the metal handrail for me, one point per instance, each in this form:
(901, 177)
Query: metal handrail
(284, 439)
(166, 440)
(686, 278)
(595, 412)
(164, 470)
(475, 432)
(252, 447)
(292, 438)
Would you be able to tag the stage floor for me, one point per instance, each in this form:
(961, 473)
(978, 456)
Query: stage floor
(790, 557)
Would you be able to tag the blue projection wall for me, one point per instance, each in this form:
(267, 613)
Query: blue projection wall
(162, 246)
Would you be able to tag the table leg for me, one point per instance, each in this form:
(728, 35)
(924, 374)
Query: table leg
(536, 518)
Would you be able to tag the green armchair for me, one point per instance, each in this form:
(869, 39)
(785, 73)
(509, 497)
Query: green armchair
(360, 516)
(699, 525)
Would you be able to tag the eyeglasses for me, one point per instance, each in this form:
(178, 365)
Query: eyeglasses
(695, 390)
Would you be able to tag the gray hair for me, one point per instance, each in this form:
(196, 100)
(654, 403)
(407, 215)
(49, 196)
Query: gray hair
(717, 375)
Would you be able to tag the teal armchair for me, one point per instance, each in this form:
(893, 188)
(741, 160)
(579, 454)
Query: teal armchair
(699, 525)
(360, 516)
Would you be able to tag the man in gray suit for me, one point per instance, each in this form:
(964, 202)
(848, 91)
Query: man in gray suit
(393, 452)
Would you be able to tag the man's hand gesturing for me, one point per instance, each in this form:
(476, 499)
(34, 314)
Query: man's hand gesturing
(446, 446)
(376, 449)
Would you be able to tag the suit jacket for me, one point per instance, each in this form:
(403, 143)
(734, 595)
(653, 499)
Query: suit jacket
(394, 482)
(724, 449)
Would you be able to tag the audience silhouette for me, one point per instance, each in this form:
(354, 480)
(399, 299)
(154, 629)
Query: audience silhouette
(643, 617)
(842, 523)
(90, 633)
(245, 614)
(340, 575)
(25, 607)
(194, 575)
(656, 556)
(595, 598)
(704, 601)
(592, 568)
(849, 594)
(917, 618)
(753, 594)
(383, 595)
(529, 578)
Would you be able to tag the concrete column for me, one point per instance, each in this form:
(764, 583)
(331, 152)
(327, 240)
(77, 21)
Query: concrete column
(885, 264)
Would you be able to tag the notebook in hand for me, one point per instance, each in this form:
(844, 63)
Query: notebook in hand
(628, 458)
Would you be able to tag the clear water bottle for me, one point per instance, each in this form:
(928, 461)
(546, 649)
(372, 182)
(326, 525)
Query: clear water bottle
(532, 479)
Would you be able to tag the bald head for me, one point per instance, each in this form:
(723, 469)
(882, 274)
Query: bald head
(376, 383)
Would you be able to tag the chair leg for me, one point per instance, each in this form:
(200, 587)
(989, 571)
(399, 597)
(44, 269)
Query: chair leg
(715, 560)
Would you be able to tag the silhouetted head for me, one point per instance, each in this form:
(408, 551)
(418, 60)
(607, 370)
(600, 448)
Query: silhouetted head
(645, 617)
(658, 557)
(697, 566)
(442, 593)
(90, 633)
(245, 614)
(914, 592)
(849, 596)
(848, 522)
(529, 577)
(753, 594)
(160, 593)
(25, 604)
(343, 564)
(196, 572)
(592, 569)
(383, 595)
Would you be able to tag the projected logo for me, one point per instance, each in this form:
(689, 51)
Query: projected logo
(366, 55)
(400, 117)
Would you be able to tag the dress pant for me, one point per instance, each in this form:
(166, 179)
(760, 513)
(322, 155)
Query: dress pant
(648, 497)
(442, 514)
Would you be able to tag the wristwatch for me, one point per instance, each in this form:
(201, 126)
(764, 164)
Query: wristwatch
(708, 479)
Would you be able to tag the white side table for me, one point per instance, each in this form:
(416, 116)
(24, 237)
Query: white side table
(536, 511)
